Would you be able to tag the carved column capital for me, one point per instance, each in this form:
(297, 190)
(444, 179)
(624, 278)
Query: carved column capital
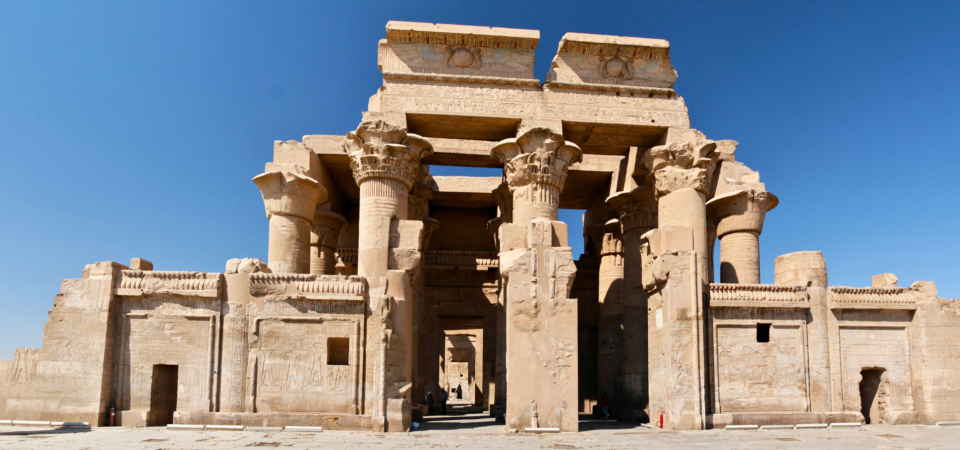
(741, 210)
(419, 200)
(289, 193)
(535, 165)
(380, 150)
(537, 156)
(637, 209)
(681, 165)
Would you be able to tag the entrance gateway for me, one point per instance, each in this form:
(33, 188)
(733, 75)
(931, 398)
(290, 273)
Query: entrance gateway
(384, 282)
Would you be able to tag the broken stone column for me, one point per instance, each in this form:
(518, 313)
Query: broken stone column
(537, 269)
(637, 210)
(323, 241)
(738, 207)
(676, 324)
(290, 198)
(809, 269)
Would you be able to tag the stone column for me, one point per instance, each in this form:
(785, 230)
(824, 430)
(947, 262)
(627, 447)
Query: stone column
(537, 269)
(637, 210)
(681, 172)
(323, 242)
(610, 317)
(290, 198)
(504, 202)
(386, 164)
(739, 216)
(675, 274)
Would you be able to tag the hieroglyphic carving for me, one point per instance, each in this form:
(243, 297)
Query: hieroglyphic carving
(529, 102)
(293, 369)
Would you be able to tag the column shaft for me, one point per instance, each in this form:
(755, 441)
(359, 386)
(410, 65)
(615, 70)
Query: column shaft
(740, 257)
(289, 250)
(610, 323)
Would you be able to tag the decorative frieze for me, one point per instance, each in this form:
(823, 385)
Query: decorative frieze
(192, 284)
(843, 297)
(758, 295)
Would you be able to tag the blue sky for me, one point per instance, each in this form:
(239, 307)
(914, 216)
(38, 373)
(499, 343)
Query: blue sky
(132, 129)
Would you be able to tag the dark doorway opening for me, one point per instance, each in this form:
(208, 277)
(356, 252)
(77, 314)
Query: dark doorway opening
(163, 395)
(869, 387)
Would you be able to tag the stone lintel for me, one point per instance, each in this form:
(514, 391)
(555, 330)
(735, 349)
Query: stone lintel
(458, 54)
(585, 60)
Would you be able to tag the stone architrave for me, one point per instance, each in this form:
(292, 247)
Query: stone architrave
(290, 198)
(637, 211)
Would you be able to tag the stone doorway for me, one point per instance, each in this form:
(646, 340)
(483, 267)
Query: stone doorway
(869, 390)
(163, 395)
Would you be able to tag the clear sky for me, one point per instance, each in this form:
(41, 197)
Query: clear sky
(132, 129)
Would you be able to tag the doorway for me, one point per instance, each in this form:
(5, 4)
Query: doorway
(869, 400)
(163, 395)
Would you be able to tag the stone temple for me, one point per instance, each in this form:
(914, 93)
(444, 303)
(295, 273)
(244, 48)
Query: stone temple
(385, 284)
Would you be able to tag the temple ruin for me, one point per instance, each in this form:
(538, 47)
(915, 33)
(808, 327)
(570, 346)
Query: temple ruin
(385, 284)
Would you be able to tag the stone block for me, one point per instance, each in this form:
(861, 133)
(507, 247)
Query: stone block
(246, 265)
(884, 280)
(406, 234)
(140, 264)
(512, 236)
(676, 239)
(296, 153)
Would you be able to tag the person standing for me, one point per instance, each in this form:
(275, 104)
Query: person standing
(459, 392)
(606, 406)
(443, 401)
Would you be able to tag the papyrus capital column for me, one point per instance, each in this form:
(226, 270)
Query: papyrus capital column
(637, 212)
(680, 173)
(535, 165)
(386, 164)
(739, 216)
(290, 199)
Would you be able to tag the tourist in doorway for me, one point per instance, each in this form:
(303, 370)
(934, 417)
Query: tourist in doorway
(428, 399)
(606, 405)
(459, 392)
(443, 401)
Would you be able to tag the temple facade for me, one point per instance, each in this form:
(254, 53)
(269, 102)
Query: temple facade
(385, 285)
